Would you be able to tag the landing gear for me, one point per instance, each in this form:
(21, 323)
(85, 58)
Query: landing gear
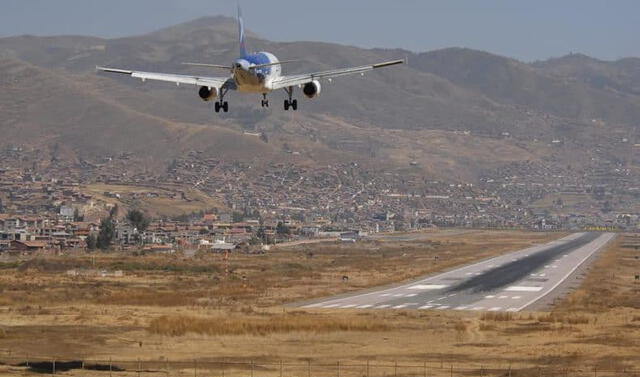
(290, 103)
(222, 104)
(265, 101)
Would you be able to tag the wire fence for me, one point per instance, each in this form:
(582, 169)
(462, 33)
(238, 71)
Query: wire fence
(217, 368)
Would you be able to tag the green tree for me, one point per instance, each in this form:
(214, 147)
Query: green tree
(237, 217)
(282, 229)
(107, 233)
(92, 241)
(77, 216)
(114, 211)
(260, 234)
(138, 219)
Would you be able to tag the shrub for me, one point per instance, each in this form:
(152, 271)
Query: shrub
(178, 325)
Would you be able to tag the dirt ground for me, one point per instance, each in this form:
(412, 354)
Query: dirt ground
(171, 309)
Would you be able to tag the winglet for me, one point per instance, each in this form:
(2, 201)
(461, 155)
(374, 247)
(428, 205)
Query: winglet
(243, 46)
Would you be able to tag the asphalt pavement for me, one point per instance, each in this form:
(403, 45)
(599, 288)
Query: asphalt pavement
(510, 282)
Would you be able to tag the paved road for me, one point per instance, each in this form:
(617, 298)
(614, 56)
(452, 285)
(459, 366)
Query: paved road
(510, 282)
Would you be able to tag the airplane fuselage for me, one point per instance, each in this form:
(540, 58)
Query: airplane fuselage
(259, 73)
(255, 80)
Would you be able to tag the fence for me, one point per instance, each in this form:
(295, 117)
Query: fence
(221, 368)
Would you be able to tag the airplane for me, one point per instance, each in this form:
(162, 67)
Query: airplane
(252, 73)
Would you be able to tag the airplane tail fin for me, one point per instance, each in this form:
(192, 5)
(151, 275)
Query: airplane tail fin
(243, 46)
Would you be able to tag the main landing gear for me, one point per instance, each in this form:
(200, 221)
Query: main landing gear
(265, 101)
(290, 103)
(222, 104)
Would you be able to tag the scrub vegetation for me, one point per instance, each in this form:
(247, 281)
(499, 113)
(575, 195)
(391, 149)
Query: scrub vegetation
(185, 309)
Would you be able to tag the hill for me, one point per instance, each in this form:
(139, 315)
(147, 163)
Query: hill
(452, 113)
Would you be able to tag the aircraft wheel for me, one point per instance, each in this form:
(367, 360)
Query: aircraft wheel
(225, 106)
(286, 105)
(217, 107)
(294, 104)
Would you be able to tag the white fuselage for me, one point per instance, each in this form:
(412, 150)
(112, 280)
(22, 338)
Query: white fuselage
(255, 80)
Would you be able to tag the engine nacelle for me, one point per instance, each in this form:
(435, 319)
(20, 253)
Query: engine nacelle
(208, 94)
(312, 89)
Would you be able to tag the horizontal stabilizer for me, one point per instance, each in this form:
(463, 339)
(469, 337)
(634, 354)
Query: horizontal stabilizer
(208, 65)
(272, 64)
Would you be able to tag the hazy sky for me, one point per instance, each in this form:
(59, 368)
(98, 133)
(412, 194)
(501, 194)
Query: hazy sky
(524, 29)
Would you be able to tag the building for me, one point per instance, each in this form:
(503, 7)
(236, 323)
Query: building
(30, 246)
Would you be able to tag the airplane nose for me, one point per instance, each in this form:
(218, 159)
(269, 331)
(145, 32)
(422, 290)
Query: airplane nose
(242, 64)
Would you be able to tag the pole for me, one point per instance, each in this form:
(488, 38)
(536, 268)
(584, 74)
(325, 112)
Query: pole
(309, 368)
(425, 369)
(281, 368)
(367, 368)
(451, 370)
(338, 364)
(110, 368)
(395, 368)
(53, 367)
(195, 368)
(251, 368)
(139, 367)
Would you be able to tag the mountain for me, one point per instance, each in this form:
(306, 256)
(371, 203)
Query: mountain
(567, 87)
(622, 76)
(447, 111)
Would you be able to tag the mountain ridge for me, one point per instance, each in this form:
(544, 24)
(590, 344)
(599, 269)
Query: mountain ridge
(500, 103)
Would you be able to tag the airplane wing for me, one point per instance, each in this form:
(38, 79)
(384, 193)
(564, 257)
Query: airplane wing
(286, 81)
(212, 82)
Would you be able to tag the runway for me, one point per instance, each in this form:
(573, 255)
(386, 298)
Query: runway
(510, 282)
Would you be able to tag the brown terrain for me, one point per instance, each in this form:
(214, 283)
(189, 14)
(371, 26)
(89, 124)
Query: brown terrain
(447, 110)
(185, 315)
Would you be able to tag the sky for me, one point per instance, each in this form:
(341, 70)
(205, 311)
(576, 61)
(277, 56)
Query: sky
(523, 29)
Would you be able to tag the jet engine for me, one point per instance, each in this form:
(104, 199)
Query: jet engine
(312, 89)
(207, 94)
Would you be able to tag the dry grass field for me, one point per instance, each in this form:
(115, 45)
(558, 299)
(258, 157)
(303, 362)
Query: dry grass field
(170, 309)
(168, 204)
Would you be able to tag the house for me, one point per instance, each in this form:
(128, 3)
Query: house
(162, 249)
(28, 245)
(349, 236)
(217, 245)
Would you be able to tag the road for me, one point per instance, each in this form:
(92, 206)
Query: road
(510, 282)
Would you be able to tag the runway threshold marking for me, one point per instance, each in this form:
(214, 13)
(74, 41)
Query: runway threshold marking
(428, 286)
(517, 288)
